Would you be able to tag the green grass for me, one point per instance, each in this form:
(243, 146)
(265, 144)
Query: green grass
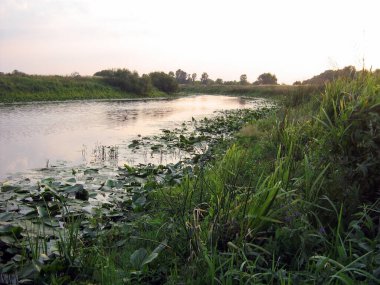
(292, 200)
(25, 88)
(296, 204)
(296, 92)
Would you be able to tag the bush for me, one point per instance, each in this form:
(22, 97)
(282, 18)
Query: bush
(163, 82)
(127, 81)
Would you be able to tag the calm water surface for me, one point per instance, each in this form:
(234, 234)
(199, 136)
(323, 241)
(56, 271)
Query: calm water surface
(72, 133)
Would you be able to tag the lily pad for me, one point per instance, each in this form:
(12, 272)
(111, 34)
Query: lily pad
(9, 229)
(7, 216)
(7, 188)
(91, 171)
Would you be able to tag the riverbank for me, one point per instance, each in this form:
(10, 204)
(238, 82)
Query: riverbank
(264, 91)
(31, 88)
(38, 88)
(291, 198)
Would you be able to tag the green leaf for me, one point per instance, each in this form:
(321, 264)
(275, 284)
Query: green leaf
(161, 246)
(149, 258)
(29, 270)
(7, 188)
(10, 229)
(47, 180)
(71, 180)
(6, 216)
(140, 201)
(137, 258)
(140, 257)
(42, 213)
(91, 171)
(8, 240)
(73, 189)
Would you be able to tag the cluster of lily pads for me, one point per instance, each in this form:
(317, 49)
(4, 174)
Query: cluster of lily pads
(36, 216)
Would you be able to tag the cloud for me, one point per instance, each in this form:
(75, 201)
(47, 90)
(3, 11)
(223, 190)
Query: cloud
(223, 38)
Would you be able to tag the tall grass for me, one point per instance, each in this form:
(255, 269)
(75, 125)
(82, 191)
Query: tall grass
(293, 201)
(25, 88)
(300, 220)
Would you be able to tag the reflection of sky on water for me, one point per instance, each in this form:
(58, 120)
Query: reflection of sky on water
(31, 134)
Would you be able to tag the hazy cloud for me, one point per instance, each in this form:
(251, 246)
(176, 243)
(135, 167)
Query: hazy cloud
(294, 39)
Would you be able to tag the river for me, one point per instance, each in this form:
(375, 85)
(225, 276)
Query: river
(38, 135)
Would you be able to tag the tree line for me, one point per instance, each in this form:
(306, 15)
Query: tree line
(183, 77)
(349, 72)
(131, 81)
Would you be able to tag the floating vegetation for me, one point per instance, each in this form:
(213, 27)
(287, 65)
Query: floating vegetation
(38, 215)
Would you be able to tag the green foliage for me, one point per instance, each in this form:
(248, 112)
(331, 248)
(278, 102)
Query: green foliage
(204, 78)
(293, 200)
(126, 80)
(307, 216)
(266, 91)
(348, 73)
(243, 79)
(181, 76)
(16, 88)
(163, 82)
(266, 79)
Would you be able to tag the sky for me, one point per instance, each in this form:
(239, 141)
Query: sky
(294, 39)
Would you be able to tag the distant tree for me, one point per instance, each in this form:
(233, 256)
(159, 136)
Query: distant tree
(171, 73)
(243, 79)
(126, 80)
(266, 79)
(145, 85)
(194, 77)
(105, 73)
(19, 73)
(348, 72)
(230, 82)
(297, 83)
(163, 82)
(204, 78)
(219, 81)
(75, 74)
(181, 76)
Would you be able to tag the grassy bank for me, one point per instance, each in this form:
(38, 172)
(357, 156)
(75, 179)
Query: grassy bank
(249, 90)
(26, 88)
(293, 198)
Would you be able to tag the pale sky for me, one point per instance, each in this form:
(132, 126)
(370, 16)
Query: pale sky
(293, 39)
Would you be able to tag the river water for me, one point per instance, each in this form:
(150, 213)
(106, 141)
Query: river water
(38, 135)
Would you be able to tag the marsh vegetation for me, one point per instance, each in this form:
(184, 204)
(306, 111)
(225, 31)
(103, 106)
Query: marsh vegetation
(285, 195)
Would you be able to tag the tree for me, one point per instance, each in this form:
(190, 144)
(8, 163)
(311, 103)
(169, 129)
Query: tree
(171, 73)
(348, 72)
(194, 76)
(204, 78)
(181, 76)
(266, 79)
(243, 79)
(163, 82)
(18, 72)
(297, 82)
(75, 74)
(126, 80)
(219, 81)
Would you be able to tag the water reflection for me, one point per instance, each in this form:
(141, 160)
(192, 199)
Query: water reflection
(86, 132)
